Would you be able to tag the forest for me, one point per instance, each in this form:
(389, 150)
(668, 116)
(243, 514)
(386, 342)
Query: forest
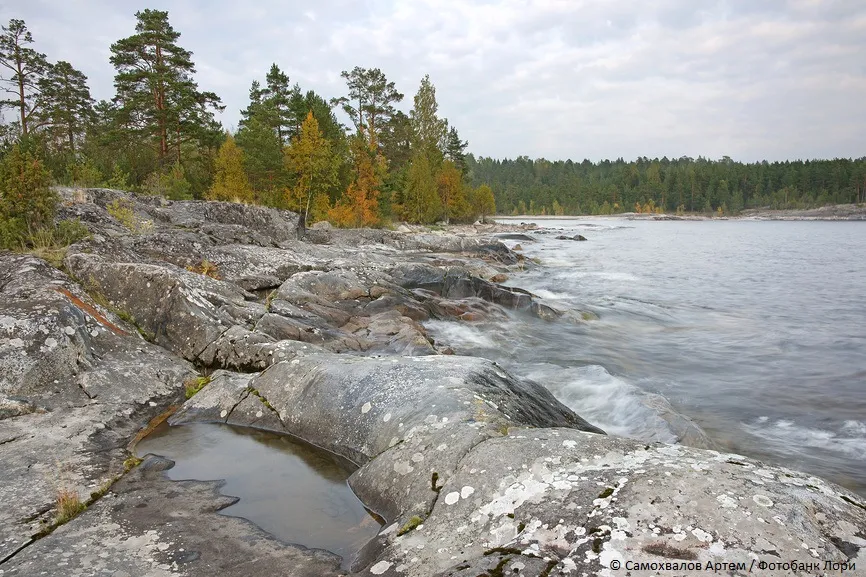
(683, 185)
(159, 135)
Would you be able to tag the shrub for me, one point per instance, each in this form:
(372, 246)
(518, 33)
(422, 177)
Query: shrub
(26, 201)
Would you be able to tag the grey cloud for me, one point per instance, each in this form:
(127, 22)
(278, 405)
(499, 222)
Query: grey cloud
(556, 78)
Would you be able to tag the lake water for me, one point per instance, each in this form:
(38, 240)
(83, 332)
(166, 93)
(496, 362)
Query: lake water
(754, 330)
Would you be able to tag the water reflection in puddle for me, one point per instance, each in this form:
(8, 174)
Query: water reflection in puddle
(292, 490)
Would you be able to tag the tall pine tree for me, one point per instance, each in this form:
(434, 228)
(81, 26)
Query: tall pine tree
(25, 69)
(157, 96)
(68, 107)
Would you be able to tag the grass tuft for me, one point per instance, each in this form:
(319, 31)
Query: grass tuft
(194, 385)
(68, 505)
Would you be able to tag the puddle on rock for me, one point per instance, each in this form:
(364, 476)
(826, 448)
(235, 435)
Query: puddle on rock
(292, 490)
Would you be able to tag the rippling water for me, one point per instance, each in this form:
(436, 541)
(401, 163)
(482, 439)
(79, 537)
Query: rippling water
(754, 330)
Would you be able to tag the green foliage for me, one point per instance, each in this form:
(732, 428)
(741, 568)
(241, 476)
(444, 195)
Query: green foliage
(194, 385)
(695, 185)
(159, 100)
(422, 204)
(84, 173)
(310, 161)
(119, 179)
(170, 184)
(230, 181)
(122, 211)
(482, 202)
(28, 70)
(26, 202)
(262, 156)
(411, 524)
(67, 107)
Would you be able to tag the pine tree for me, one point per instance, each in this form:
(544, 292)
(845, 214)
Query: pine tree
(371, 98)
(454, 149)
(396, 141)
(230, 181)
(68, 107)
(156, 94)
(277, 97)
(27, 68)
(263, 156)
(310, 160)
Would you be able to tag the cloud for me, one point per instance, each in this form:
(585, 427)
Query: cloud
(556, 78)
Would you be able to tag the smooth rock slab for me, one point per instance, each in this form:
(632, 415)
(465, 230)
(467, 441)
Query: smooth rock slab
(582, 503)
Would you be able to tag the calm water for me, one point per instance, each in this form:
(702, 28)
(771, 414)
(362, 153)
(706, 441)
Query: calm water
(754, 330)
(292, 490)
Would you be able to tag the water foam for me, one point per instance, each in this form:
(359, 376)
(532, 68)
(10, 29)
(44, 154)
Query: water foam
(604, 400)
(789, 438)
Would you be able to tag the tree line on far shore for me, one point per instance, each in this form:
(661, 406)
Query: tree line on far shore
(543, 187)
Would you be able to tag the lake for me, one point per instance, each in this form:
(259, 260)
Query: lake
(754, 330)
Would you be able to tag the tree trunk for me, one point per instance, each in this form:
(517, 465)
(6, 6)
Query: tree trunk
(22, 101)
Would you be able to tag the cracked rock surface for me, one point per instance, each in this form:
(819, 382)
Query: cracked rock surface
(476, 472)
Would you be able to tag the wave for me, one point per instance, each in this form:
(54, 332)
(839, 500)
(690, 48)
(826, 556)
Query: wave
(604, 400)
(789, 438)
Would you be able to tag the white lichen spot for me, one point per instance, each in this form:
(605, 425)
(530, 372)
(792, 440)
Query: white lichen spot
(393, 442)
(403, 468)
(366, 408)
(417, 458)
(466, 492)
(727, 502)
(387, 417)
(50, 343)
(452, 498)
(702, 535)
(380, 567)
(259, 415)
(762, 500)
(224, 414)
(295, 362)
(569, 444)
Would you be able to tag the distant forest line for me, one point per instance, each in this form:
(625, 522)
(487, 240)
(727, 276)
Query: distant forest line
(539, 187)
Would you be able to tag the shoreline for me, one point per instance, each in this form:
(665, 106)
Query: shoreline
(838, 212)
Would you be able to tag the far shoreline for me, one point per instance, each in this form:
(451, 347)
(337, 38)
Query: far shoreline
(839, 212)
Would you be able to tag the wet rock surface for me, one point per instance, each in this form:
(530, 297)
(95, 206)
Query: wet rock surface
(475, 471)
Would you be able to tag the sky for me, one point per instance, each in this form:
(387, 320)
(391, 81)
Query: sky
(596, 79)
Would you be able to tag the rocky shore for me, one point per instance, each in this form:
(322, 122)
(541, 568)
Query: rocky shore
(318, 334)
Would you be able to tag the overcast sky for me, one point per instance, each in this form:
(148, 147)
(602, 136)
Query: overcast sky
(751, 79)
